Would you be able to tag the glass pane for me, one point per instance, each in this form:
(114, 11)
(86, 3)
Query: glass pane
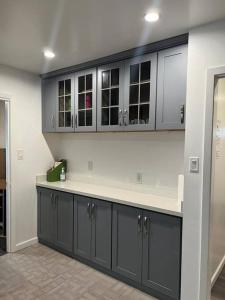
(134, 91)
(61, 119)
(105, 98)
(89, 82)
(89, 100)
(89, 117)
(67, 87)
(81, 118)
(145, 70)
(144, 114)
(81, 104)
(133, 114)
(145, 92)
(115, 77)
(68, 103)
(61, 103)
(61, 88)
(105, 116)
(114, 112)
(134, 73)
(81, 84)
(105, 79)
(115, 96)
(68, 119)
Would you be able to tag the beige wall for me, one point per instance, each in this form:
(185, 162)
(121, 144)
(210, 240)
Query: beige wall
(2, 124)
(25, 126)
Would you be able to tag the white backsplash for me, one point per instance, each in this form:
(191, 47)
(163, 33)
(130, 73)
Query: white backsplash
(118, 157)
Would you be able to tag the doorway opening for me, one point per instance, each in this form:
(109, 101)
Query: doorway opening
(4, 178)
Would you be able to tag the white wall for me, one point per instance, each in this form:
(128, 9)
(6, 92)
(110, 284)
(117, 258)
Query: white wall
(117, 157)
(206, 49)
(2, 124)
(217, 234)
(25, 92)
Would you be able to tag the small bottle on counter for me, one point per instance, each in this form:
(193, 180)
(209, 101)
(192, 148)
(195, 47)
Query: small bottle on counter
(63, 175)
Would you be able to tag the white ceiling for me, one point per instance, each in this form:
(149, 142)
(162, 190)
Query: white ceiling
(82, 30)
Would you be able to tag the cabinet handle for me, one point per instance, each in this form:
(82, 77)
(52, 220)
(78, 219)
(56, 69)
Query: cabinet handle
(139, 223)
(53, 121)
(55, 201)
(93, 210)
(72, 121)
(182, 114)
(89, 209)
(125, 117)
(146, 225)
(76, 120)
(121, 117)
(52, 199)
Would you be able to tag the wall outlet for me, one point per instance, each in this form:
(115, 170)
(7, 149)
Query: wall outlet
(139, 177)
(90, 165)
(20, 154)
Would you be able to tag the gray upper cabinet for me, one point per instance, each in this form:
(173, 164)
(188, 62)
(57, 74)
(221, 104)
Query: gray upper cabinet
(49, 96)
(85, 101)
(127, 242)
(140, 93)
(161, 253)
(65, 104)
(110, 97)
(171, 88)
(101, 233)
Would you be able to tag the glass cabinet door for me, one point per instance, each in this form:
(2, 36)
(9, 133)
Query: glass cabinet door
(110, 97)
(85, 101)
(65, 104)
(140, 93)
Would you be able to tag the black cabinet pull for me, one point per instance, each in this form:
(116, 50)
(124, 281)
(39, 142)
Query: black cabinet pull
(93, 210)
(146, 223)
(139, 224)
(89, 210)
(182, 114)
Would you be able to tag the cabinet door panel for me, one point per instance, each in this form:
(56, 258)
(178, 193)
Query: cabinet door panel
(49, 96)
(85, 101)
(65, 103)
(127, 242)
(110, 97)
(101, 233)
(64, 220)
(171, 88)
(82, 226)
(162, 253)
(140, 93)
(46, 215)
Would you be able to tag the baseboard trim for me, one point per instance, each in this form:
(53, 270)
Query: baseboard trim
(217, 272)
(27, 243)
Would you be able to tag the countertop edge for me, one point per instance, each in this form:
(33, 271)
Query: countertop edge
(114, 200)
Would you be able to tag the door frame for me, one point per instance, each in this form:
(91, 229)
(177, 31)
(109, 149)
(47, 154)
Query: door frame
(7, 101)
(205, 277)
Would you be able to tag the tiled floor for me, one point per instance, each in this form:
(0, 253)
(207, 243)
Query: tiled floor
(40, 273)
(218, 291)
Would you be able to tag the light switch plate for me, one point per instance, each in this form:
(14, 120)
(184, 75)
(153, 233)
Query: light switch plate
(20, 154)
(194, 164)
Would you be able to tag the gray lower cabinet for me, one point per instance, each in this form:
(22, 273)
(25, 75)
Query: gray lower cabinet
(92, 230)
(127, 242)
(171, 88)
(55, 218)
(161, 253)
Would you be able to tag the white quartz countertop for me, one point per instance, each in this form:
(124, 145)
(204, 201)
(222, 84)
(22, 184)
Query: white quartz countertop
(146, 200)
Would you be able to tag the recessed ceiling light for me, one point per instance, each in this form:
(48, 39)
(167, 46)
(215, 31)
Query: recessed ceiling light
(49, 54)
(152, 17)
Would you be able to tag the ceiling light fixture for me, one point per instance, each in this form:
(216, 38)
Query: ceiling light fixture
(152, 17)
(49, 54)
